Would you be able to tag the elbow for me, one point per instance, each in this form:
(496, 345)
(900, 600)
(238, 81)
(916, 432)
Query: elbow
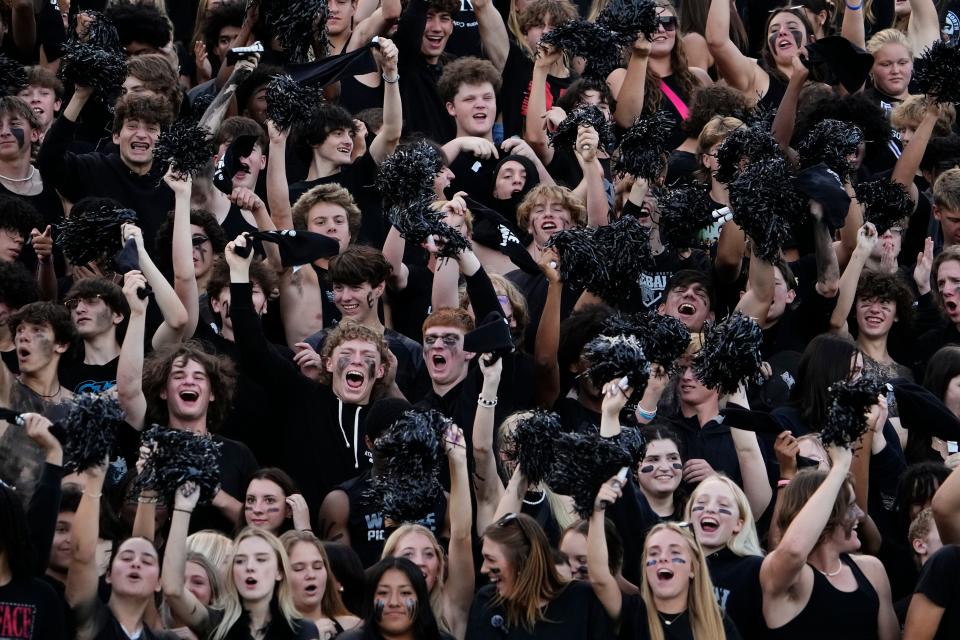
(829, 289)
(173, 591)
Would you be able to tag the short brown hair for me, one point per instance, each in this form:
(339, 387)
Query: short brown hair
(37, 76)
(946, 190)
(449, 317)
(562, 195)
(17, 107)
(357, 265)
(236, 126)
(349, 330)
(467, 70)
(798, 492)
(220, 277)
(220, 372)
(155, 72)
(910, 113)
(534, 14)
(331, 193)
(921, 526)
(150, 109)
(949, 254)
(443, 6)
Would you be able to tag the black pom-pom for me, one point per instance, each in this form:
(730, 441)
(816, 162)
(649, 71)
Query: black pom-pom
(730, 353)
(849, 402)
(289, 102)
(584, 461)
(103, 70)
(98, 30)
(764, 201)
(643, 148)
(408, 457)
(751, 144)
(616, 357)
(663, 337)
(177, 457)
(605, 260)
(936, 71)
(408, 173)
(91, 430)
(199, 106)
(565, 135)
(419, 220)
(532, 444)
(297, 24)
(186, 147)
(885, 203)
(601, 48)
(684, 213)
(831, 142)
(630, 19)
(13, 77)
(92, 231)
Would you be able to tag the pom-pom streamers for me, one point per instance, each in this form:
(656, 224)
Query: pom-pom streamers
(92, 231)
(616, 357)
(684, 212)
(408, 173)
(602, 49)
(177, 457)
(289, 102)
(831, 142)
(565, 135)
(419, 220)
(730, 353)
(643, 148)
(850, 401)
(532, 443)
(750, 144)
(763, 200)
(885, 203)
(408, 456)
(186, 147)
(936, 71)
(91, 430)
(97, 29)
(298, 24)
(630, 19)
(13, 77)
(103, 70)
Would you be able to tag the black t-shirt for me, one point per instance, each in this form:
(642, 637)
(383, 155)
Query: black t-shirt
(736, 584)
(412, 305)
(653, 283)
(575, 614)
(681, 166)
(80, 377)
(277, 628)
(237, 464)
(633, 621)
(30, 610)
(517, 81)
(938, 582)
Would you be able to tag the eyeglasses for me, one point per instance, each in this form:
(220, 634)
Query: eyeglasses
(199, 240)
(448, 339)
(73, 303)
(669, 23)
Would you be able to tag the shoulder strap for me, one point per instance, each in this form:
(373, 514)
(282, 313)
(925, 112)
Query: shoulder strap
(675, 100)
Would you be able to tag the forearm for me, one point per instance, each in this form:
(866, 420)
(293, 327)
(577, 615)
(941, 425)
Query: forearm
(483, 297)
(145, 520)
(230, 507)
(630, 98)
(847, 290)
(175, 555)
(278, 191)
(946, 508)
(597, 208)
(85, 531)
(173, 311)
(533, 132)
(546, 346)
(850, 229)
(130, 371)
(609, 424)
(828, 269)
(512, 500)
(47, 279)
(393, 249)
(389, 135)
(486, 480)
(459, 508)
(852, 27)
(446, 280)
(785, 119)
(909, 162)
(753, 471)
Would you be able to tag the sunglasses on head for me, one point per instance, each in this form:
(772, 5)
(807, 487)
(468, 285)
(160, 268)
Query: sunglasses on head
(669, 23)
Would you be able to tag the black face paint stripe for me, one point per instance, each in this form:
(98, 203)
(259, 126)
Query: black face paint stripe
(17, 133)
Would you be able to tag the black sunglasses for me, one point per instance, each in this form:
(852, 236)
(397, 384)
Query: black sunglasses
(669, 23)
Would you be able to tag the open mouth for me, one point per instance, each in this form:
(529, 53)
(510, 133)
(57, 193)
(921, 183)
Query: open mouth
(344, 148)
(438, 360)
(189, 395)
(664, 574)
(873, 321)
(434, 41)
(250, 583)
(350, 307)
(686, 309)
(709, 525)
(133, 576)
(784, 44)
(481, 117)
(23, 353)
(310, 588)
(139, 146)
(951, 306)
(354, 380)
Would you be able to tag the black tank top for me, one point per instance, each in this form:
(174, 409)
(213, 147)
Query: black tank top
(356, 96)
(775, 92)
(832, 613)
(235, 224)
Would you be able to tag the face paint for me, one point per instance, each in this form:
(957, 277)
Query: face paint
(370, 299)
(226, 310)
(797, 36)
(678, 561)
(378, 607)
(677, 466)
(646, 469)
(651, 562)
(371, 368)
(342, 363)
(17, 133)
(411, 606)
(724, 511)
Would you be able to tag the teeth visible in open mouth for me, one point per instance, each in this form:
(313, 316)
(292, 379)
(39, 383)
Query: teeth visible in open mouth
(189, 396)
(686, 309)
(709, 525)
(343, 149)
(664, 574)
(354, 378)
(439, 360)
(549, 226)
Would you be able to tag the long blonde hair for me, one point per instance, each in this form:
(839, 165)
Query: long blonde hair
(745, 542)
(233, 606)
(706, 621)
(390, 548)
(331, 604)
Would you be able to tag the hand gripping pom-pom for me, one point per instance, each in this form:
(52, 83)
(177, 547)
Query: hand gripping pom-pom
(615, 357)
(684, 213)
(936, 71)
(408, 457)
(565, 135)
(831, 142)
(764, 203)
(643, 148)
(419, 220)
(97, 30)
(289, 102)
(532, 443)
(177, 457)
(91, 430)
(186, 147)
(730, 354)
(630, 19)
(849, 403)
(408, 173)
(297, 24)
(663, 338)
(601, 48)
(885, 203)
(750, 144)
(92, 233)
(103, 70)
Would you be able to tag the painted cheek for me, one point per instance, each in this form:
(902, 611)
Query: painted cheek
(646, 469)
(17, 133)
(342, 363)
(677, 466)
(797, 36)
(378, 607)
(678, 561)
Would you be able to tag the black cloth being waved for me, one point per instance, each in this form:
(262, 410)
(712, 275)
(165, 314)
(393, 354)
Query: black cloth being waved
(323, 437)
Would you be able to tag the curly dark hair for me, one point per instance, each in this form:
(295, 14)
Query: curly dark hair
(163, 242)
(148, 108)
(887, 287)
(220, 372)
(470, 71)
(16, 214)
(17, 286)
(223, 14)
(710, 101)
(856, 109)
(573, 96)
(577, 330)
(51, 313)
(324, 120)
(259, 77)
(140, 23)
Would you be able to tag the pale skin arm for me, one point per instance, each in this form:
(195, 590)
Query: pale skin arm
(393, 248)
(389, 135)
(458, 591)
(851, 228)
(630, 96)
(534, 132)
(334, 512)
(512, 500)
(924, 26)
(596, 196)
(909, 162)
(852, 28)
(548, 334)
(278, 192)
(46, 274)
(946, 508)
(184, 275)
(377, 22)
(888, 627)
(486, 481)
(130, 364)
(493, 33)
(603, 582)
(181, 600)
(760, 288)
(851, 277)
(737, 69)
(82, 575)
(923, 618)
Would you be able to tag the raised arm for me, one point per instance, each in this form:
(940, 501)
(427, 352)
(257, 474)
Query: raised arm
(458, 591)
(278, 191)
(215, 113)
(181, 600)
(373, 23)
(389, 135)
(866, 241)
(53, 160)
(828, 268)
(548, 334)
(82, 576)
(534, 132)
(598, 209)
(737, 69)
(852, 28)
(334, 513)
(630, 97)
(946, 508)
(486, 481)
(393, 249)
(46, 274)
(909, 162)
(493, 33)
(850, 230)
(184, 274)
(598, 562)
(785, 120)
(924, 26)
(130, 363)
(45, 501)
(760, 285)
(782, 566)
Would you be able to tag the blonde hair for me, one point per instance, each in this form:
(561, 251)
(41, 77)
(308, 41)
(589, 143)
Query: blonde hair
(888, 36)
(213, 577)
(214, 546)
(745, 542)
(551, 193)
(232, 601)
(331, 193)
(946, 190)
(436, 594)
(714, 132)
(706, 621)
(331, 604)
(910, 113)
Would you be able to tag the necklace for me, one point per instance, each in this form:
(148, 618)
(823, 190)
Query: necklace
(33, 171)
(53, 395)
(833, 573)
(667, 622)
(543, 496)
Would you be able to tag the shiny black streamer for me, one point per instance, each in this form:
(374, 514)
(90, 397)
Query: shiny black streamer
(176, 457)
(730, 353)
(91, 430)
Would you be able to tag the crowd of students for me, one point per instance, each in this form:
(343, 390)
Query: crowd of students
(295, 368)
